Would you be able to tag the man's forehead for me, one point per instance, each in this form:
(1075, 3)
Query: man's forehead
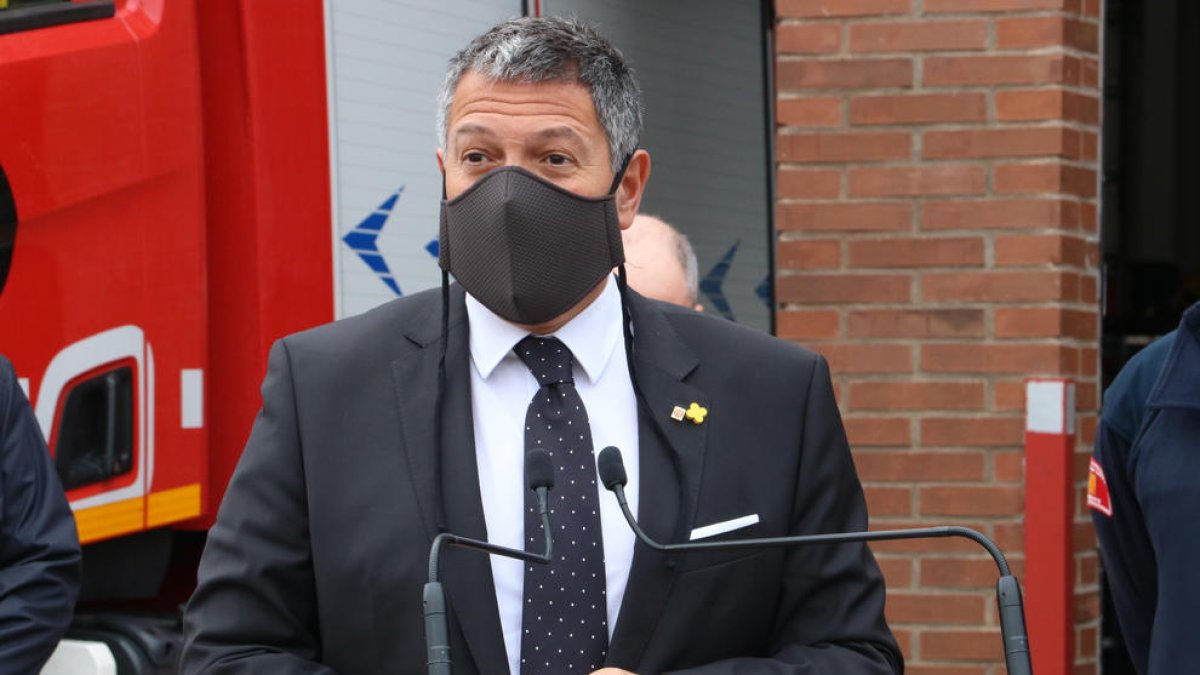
(475, 129)
(534, 112)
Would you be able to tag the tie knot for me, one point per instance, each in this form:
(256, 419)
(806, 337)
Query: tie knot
(547, 358)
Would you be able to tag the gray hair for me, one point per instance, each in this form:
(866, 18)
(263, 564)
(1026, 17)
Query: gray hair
(687, 260)
(541, 49)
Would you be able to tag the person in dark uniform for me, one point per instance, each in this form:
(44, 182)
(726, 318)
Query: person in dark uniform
(39, 548)
(1144, 493)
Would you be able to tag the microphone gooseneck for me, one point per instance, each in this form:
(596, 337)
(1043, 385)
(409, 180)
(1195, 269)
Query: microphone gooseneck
(1008, 590)
(539, 477)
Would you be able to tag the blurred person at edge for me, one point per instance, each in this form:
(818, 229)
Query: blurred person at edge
(1144, 493)
(660, 262)
(320, 549)
(39, 547)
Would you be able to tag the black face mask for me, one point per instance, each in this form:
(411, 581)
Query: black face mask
(526, 248)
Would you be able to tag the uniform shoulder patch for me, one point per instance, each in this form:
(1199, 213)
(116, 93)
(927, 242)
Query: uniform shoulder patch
(1097, 495)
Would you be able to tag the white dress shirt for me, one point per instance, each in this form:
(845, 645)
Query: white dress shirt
(501, 389)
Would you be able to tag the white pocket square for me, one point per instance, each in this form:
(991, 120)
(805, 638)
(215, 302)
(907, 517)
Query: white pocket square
(723, 527)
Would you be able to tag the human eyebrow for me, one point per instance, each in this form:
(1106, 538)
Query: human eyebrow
(563, 132)
(471, 130)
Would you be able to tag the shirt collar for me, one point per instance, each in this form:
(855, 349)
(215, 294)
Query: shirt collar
(592, 335)
(1177, 386)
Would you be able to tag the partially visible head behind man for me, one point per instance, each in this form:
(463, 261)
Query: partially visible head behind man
(660, 262)
(542, 49)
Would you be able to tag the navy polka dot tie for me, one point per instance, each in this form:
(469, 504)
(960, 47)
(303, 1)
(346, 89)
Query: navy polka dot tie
(564, 626)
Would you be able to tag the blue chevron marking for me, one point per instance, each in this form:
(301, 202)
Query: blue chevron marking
(763, 290)
(376, 262)
(364, 240)
(360, 240)
(711, 284)
(390, 203)
(433, 247)
(373, 223)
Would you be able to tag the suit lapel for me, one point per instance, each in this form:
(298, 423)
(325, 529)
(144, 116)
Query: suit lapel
(466, 575)
(671, 459)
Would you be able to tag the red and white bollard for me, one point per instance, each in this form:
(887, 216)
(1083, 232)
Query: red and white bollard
(1049, 523)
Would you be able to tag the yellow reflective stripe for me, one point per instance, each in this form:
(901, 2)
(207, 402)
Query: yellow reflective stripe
(169, 506)
(109, 520)
(134, 515)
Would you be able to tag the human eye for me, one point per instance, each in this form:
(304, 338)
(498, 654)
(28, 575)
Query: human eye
(474, 158)
(559, 160)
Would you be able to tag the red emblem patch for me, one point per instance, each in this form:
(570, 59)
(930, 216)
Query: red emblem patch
(1097, 495)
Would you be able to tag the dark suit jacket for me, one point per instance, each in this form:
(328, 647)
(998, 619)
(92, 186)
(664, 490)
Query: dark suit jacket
(39, 549)
(319, 553)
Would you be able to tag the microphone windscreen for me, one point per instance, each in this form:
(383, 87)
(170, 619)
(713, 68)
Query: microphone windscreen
(539, 469)
(611, 468)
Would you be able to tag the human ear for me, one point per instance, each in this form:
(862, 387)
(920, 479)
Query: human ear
(633, 184)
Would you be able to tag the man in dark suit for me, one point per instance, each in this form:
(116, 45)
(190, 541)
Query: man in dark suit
(39, 548)
(379, 431)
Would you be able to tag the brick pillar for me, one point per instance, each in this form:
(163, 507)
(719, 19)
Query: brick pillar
(937, 242)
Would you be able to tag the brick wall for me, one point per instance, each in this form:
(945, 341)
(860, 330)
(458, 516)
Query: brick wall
(937, 242)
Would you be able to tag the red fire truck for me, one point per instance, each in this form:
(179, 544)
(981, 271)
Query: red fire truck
(164, 215)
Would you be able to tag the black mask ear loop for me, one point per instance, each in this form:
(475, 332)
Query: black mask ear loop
(643, 404)
(612, 189)
(440, 400)
(623, 288)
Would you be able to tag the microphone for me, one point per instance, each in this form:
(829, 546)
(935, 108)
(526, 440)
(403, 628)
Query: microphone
(1008, 592)
(539, 476)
